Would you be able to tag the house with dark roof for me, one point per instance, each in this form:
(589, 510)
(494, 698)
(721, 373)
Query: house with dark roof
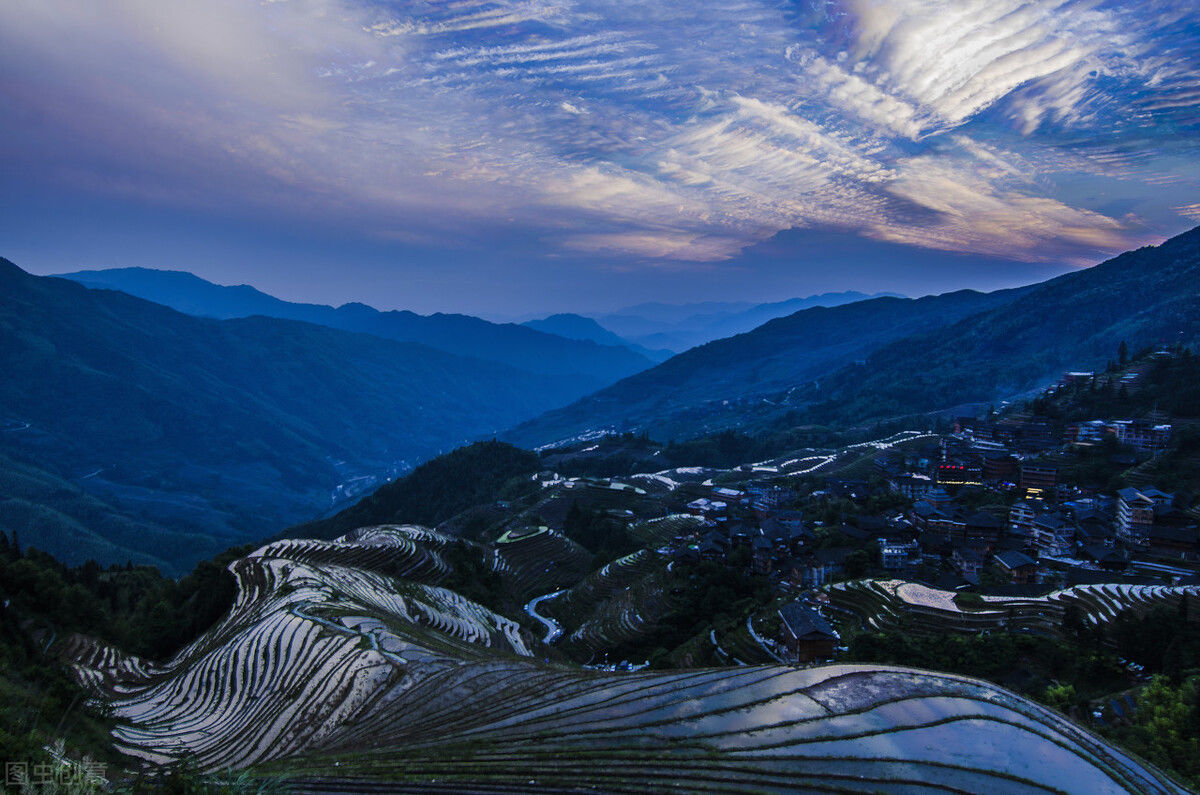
(806, 634)
(939, 498)
(762, 553)
(814, 569)
(710, 549)
(1019, 566)
(854, 533)
(935, 546)
(983, 526)
(740, 533)
(967, 561)
(1053, 535)
(1106, 557)
(1174, 541)
(856, 490)
(786, 538)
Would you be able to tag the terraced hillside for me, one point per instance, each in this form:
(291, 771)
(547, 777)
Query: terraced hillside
(883, 604)
(344, 679)
(540, 559)
(611, 606)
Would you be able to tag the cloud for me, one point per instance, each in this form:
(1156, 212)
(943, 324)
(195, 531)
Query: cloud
(652, 132)
(985, 204)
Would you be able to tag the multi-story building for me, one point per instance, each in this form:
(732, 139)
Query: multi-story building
(913, 485)
(1038, 477)
(959, 474)
(1088, 432)
(1053, 535)
(898, 554)
(999, 466)
(1135, 514)
(1141, 434)
(1022, 516)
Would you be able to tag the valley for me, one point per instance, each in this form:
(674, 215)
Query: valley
(503, 397)
(633, 629)
(841, 606)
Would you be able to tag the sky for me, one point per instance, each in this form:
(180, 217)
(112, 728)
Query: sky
(512, 158)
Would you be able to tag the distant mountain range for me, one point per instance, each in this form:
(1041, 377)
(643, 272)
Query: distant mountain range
(129, 430)
(578, 327)
(195, 433)
(885, 357)
(678, 327)
(581, 364)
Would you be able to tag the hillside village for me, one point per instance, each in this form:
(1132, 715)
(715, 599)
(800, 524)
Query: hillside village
(1025, 503)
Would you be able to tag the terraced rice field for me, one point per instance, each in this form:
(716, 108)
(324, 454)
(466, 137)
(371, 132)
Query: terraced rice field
(882, 604)
(761, 729)
(540, 560)
(655, 532)
(578, 602)
(343, 679)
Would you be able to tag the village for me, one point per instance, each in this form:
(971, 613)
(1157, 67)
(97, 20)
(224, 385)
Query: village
(995, 506)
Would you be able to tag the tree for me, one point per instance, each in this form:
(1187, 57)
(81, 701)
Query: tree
(1060, 697)
(1123, 353)
(857, 564)
(1165, 731)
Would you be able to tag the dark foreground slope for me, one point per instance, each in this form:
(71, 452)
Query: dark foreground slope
(214, 431)
(580, 365)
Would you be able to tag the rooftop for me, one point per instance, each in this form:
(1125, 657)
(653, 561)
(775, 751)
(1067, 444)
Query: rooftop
(803, 621)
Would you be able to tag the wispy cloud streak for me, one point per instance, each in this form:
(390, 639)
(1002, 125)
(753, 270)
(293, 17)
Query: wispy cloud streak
(656, 133)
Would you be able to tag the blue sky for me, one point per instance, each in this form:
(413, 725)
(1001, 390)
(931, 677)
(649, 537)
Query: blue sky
(511, 157)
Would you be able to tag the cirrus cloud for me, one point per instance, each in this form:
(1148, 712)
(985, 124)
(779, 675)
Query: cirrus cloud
(656, 132)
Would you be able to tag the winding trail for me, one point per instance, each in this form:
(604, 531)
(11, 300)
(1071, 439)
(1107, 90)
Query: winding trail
(554, 630)
(299, 612)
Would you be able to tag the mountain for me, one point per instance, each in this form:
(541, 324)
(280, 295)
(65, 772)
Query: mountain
(203, 432)
(1077, 321)
(678, 327)
(54, 511)
(578, 327)
(892, 356)
(581, 365)
(706, 387)
(433, 492)
(657, 313)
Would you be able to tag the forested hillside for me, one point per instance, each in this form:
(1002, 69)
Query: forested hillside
(705, 388)
(1150, 296)
(434, 491)
(214, 432)
(580, 365)
(890, 357)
